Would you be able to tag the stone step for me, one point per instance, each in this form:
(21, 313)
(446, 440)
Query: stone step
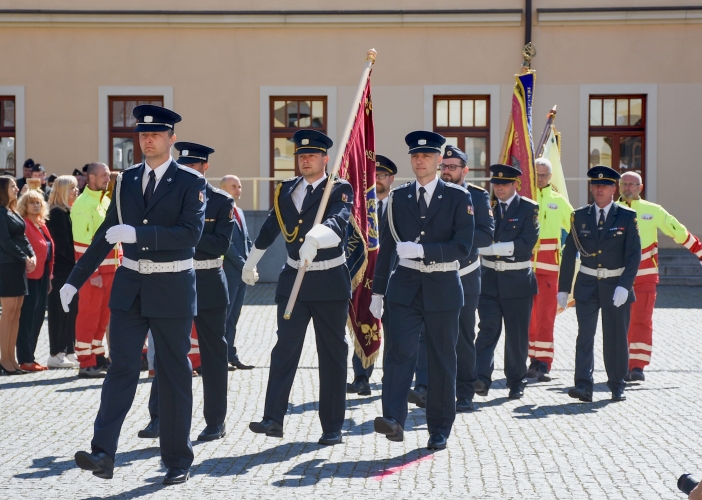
(692, 271)
(676, 257)
(680, 281)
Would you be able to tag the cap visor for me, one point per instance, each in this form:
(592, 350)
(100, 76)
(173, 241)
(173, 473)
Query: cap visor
(497, 180)
(152, 128)
(425, 149)
(301, 151)
(189, 161)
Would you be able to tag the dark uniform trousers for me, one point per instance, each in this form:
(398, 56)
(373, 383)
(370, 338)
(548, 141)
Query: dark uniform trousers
(167, 230)
(508, 295)
(614, 245)
(424, 301)
(212, 303)
(465, 346)
(323, 298)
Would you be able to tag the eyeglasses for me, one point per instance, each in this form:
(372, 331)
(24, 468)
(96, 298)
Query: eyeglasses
(381, 175)
(452, 168)
(543, 176)
(627, 185)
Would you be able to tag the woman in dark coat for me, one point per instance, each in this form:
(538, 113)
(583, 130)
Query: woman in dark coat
(62, 326)
(16, 258)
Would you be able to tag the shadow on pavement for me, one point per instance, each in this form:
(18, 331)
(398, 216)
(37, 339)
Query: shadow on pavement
(575, 408)
(242, 464)
(311, 472)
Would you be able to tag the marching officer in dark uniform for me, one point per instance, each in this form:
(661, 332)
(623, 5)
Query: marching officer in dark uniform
(325, 291)
(454, 168)
(607, 237)
(385, 171)
(508, 284)
(430, 229)
(157, 213)
(212, 300)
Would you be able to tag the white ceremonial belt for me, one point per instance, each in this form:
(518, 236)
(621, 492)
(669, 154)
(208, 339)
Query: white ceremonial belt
(601, 273)
(441, 267)
(144, 266)
(506, 266)
(321, 265)
(208, 264)
(469, 269)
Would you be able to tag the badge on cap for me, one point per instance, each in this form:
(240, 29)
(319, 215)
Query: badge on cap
(148, 119)
(449, 153)
(305, 142)
(500, 174)
(422, 142)
(185, 152)
(600, 176)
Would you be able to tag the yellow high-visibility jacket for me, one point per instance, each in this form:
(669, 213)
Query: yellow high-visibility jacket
(554, 216)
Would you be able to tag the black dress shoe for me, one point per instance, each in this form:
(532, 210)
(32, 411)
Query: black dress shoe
(241, 366)
(176, 476)
(418, 396)
(330, 438)
(11, 372)
(100, 463)
(618, 395)
(212, 432)
(464, 405)
(516, 391)
(437, 441)
(637, 375)
(268, 427)
(390, 427)
(481, 388)
(151, 431)
(580, 393)
(360, 386)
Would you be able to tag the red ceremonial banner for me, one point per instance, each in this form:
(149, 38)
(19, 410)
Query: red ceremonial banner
(358, 167)
(519, 148)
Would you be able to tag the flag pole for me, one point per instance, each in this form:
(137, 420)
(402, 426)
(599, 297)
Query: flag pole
(550, 118)
(370, 60)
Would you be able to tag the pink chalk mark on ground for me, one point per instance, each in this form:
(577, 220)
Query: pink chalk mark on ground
(398, 468)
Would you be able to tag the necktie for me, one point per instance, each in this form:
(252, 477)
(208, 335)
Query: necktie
(422, 203)
(238, 219)
(150, 186)
(602, 219)
(308, 197)
(503, 205)
(380, 211)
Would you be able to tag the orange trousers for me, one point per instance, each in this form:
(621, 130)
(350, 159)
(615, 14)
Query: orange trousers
(641, 325)
(91, 322)
(543, 317)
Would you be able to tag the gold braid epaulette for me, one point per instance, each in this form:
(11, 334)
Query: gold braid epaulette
(576, 240)
(289, 237)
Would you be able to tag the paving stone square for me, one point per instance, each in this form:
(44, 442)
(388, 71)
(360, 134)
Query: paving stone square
(544, 446)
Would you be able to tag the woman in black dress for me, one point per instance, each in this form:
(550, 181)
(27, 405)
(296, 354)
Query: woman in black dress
(62, 326)
(16, 258)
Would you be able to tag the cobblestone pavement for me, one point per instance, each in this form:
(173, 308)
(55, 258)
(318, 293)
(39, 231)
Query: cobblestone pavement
(542, 446)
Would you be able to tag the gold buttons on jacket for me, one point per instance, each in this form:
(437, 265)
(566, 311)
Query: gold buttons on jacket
(422, 233)
(300, 221)
(301, 240)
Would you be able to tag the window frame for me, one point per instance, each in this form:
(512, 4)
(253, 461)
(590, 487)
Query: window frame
(9, 132)
(126, 132)
(618, 132)
(287, 132)
(462, 132)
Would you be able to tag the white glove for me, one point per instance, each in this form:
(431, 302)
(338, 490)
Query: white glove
(486, 251)
(410, 250)
(322, 236)
(621, 294)
(562, 298)
(249, 276)
(66, 294)
(121, 233)
(503, 249)
(308, 251)
(376, 306)
(248, 272)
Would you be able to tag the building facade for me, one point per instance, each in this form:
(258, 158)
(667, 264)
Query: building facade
(246, 74)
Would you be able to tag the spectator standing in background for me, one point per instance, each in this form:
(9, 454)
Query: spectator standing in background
(16, 259)
(26, 173)
(234, 260)
(35, 211)
(62, 326)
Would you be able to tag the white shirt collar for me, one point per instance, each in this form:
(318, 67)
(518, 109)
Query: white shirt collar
(314, 184)
(606, 210)
(508, 201)
(430, 187)
(160, 171)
